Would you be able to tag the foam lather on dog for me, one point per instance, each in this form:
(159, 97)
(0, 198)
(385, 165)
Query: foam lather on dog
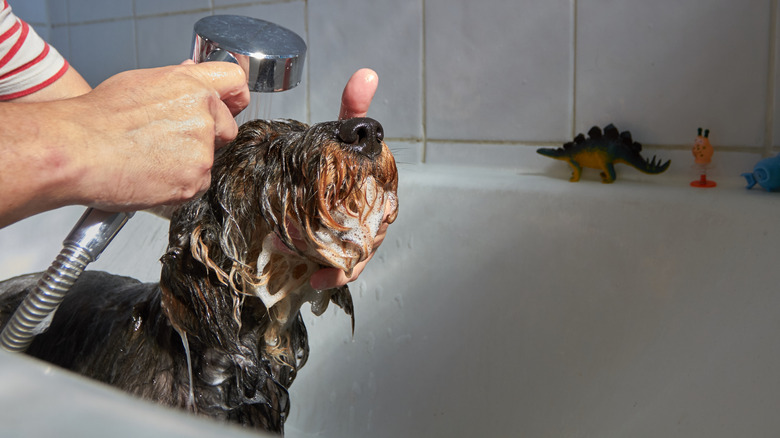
(221, 334)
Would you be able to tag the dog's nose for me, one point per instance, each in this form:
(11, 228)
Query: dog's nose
(362, 134)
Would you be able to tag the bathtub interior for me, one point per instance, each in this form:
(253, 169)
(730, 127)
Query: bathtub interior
(509, 305)
(41, 400)
(515, 303)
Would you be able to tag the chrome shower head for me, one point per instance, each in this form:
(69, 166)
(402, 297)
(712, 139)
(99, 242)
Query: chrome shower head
(271, 55)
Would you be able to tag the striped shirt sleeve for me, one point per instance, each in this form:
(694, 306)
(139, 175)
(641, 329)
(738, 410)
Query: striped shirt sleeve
(27, 63)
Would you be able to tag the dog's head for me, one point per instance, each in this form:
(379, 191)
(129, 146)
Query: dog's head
(322, 190)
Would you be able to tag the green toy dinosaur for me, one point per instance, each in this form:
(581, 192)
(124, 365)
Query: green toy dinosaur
(602, 151)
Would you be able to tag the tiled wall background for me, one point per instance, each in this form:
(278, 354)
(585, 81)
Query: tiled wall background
(482, 83)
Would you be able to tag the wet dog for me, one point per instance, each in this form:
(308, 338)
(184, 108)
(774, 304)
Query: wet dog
(221, 334)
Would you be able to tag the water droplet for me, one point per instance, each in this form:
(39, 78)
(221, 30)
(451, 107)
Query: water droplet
(361, 287)
(371, 385)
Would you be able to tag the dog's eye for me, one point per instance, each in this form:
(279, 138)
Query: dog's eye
(352, 207)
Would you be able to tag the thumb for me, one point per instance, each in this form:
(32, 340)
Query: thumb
(227, 79)
(358, 93)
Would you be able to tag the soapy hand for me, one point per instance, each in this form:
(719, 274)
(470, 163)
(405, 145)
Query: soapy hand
(153, 133)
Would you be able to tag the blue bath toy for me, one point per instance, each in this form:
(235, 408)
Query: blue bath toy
(766, 173)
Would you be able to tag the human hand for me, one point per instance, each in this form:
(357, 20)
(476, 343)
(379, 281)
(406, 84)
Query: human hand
(149, 135)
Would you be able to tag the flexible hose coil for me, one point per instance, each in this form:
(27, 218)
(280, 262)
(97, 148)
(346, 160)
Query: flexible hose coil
(32, 317)
(86, 241)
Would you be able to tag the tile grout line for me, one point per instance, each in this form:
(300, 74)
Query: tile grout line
(70, 38)
(574, 70)
(48, 18)
(557, 144)
(771, 73)
(135, 35)
(307, 98)
(424, 115)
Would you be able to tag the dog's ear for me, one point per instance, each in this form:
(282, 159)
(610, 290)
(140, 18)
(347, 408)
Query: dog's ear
(247, 182)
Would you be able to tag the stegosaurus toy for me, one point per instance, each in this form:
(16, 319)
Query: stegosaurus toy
(602, 151)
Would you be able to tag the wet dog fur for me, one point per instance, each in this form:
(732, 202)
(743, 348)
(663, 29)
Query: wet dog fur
(278, 181)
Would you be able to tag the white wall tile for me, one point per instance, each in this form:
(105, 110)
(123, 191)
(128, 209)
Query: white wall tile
(165, 40)
(100, 50)
(483, 155)
(153, 7)
(406, 153)
(59, 38)
(498, 69)
(290, 14)
(775, 140)
(668, 66)
(346, 35)
(80, 11)
(32, 11)
(58, 11)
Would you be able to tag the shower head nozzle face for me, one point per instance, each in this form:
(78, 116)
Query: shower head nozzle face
(271, 55)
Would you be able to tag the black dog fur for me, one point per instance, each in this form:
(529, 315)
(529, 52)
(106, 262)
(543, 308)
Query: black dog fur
(244, 355)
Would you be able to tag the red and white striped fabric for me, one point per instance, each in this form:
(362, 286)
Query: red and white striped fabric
(27, 63)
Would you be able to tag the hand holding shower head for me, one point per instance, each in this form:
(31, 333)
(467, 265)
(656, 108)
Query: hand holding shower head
(272, 57)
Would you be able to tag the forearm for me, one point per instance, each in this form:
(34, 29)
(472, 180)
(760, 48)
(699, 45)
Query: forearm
(37, 150)
(140, 139)
(39, 169)
(40, 162)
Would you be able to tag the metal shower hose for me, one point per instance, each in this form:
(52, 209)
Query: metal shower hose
(92, 233)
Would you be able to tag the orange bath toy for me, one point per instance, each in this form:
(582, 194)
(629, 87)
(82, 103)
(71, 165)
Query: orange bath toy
(702, 155)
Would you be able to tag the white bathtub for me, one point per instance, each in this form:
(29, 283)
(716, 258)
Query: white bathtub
(512, 304)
